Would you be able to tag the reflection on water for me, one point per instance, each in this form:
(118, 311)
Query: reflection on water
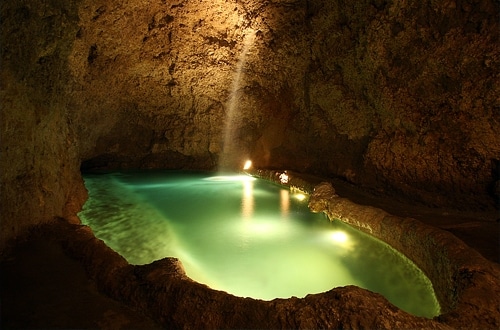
(247, 199)
(245, 236)
(284, 202)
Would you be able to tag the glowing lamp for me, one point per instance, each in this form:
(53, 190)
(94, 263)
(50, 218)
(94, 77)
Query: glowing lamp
(339, 236)
(284, 178)
(247, 165)
(299, 196)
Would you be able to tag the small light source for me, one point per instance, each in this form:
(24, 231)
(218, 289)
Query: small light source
(284, 178)
(299, 196)
(247, 165)
(298, 193)
(339, 236)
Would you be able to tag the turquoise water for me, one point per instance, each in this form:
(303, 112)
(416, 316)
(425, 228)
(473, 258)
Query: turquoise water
(246, 236)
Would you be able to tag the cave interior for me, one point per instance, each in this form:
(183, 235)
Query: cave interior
(395, 103)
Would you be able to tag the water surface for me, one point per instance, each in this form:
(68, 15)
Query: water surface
(246, 236)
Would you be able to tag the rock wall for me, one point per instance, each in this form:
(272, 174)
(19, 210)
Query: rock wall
(39, 159)
(397, 97)
(394, 96)
(419, 82)
(166, 71)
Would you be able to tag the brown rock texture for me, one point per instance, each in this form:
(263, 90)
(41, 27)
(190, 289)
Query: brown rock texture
(467, 285)
(39, 158)
(391, 96)
(398, 97)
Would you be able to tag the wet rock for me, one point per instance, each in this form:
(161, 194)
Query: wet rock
(462, 279)
(163, 291)
(323, 195)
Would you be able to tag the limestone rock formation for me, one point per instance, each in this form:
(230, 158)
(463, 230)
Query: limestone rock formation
(39, 158)
(395, 97)
(467, 286)
(399, 97)
(375, 92)
(163, 291)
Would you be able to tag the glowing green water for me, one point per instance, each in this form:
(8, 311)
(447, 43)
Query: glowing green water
(245, 236)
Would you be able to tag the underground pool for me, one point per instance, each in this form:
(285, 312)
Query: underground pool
(246, 236)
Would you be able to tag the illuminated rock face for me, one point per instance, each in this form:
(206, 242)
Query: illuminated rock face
(39, 157)
(390, 96)
(458, 274)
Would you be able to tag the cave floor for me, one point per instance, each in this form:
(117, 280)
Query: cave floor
(42, 287)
